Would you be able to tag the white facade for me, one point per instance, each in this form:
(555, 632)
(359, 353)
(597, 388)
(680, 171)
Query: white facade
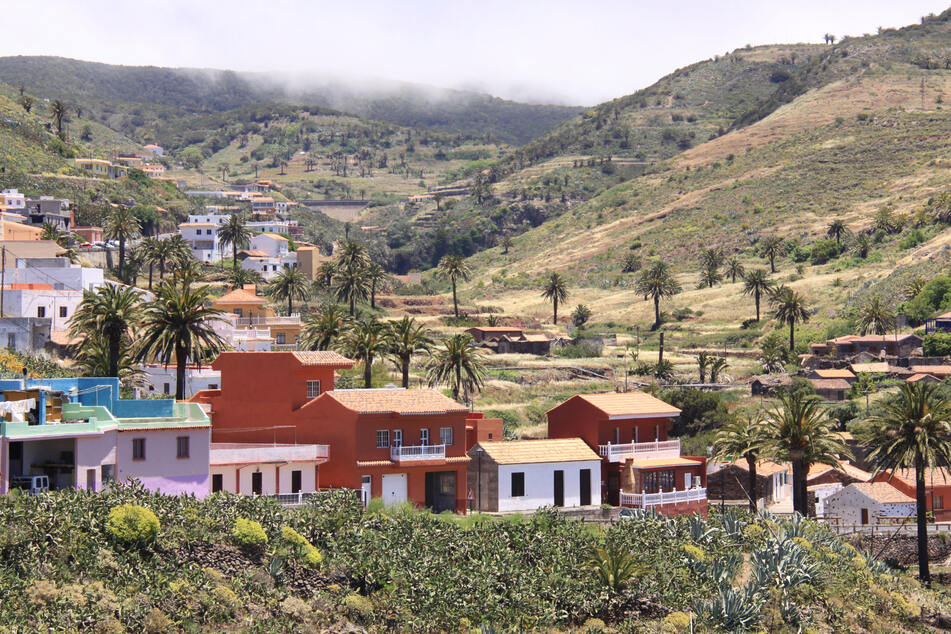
(202, 239)
(217, 219)
(272, 226)
(56, 305)
(282, 469)
(58, 272)
(539, 484)
(161, 380)
(266, 267)
(24, 334)
(849, 503)
(13, 199)
(273, 245)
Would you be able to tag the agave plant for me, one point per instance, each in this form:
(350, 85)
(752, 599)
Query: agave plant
(731, 610)
(699, 530)
(733, 524)
(784, 564)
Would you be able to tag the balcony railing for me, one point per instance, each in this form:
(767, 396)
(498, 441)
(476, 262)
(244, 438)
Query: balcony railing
(634, 450)
(405, 453)
(647, 500)
(277, 320)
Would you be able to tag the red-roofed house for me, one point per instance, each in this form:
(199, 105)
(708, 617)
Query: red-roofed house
(937, 488)
(640, 467)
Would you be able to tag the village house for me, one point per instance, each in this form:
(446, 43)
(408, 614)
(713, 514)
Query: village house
(157, 150)
(252, 313)
(202, 239)
(640, 466)
(89, 233)
(18, 231)
(280, 470)
(12, 200)
(868, 503)
(937, 488)
(729, 483)
(832, 373)
(525, 475)
(100, 168)
(40, 210)
(160, 379)
(482, 334)
(830, 389)
(897, 345)
(939, 372)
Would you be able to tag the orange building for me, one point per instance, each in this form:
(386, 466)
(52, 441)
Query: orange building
(18, 231)
(253, 312)
(401, 445)
(937, 488)
(640, 467)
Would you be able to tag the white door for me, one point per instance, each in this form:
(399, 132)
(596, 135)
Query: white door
(394, 489)
(365, 491)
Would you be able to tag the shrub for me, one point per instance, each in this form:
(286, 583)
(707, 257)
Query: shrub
(308, 555)
(357, 607)
(699, 410)
(249, 535)
(594, 625)
(937, 344)
(676, 622)
(132, 524)
(295, 608)
(912, 239)
(823, 251)
(156, 622)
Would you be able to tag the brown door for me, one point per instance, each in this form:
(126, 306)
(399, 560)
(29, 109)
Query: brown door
(864, 516)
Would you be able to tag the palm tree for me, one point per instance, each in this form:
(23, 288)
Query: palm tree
(771, 247)
(735, 268)
(506, 244)
(718, 365)
(459, 363)
(59, 111)
(913, 430)
(367, 339)
(789, 308)
(876, 317)
(709, 278)
(615, 566)
(703, 362)
(376, 277)
(862, 245)
(239, 277)
(757, 283)
(743, 437)
(93, 357)
(657, 282)
(351, 255)
(580, 316)
(122, 225)
(235, 233)
(326, 272)
(555, 290)
(179, 324)
(50, 232)
(454, 268)
(324, 327)
(290, 284)
(408, 337)
(350, 285)
(837, 230)
(801, 432)
(149, 252)
(112, 312)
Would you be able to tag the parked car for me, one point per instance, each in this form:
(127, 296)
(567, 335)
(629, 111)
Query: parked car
(34, 485)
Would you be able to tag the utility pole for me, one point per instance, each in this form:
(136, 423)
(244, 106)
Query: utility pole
(3, 270)
(660, 350)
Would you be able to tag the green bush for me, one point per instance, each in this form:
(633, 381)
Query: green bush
(307, 554)
(249, 535)
(357, 607)
(937, 344)
(132, 524)
(823, 251)
(699, 410)
(912, 239)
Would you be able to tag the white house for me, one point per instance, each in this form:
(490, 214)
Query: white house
(56, 272)
(202, 239)
(524, 475)
(41, 301)
(266, 469)
(24, 334)
(13, 200)
(266, 266)
(161, 380)
(270, 243)
(868, 503)
(218, 219)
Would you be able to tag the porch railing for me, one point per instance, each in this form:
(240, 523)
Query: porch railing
(646, 500)
(655, 449)
(410, 453)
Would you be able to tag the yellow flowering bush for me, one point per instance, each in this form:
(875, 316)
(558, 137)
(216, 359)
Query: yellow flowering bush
(676, 622)
(249, 535)
(307, 553)
(132, 524)
(694, 552)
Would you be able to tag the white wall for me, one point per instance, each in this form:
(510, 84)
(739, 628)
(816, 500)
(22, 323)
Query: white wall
(848, 503)
(267, 267)
(540, 484)
(195, 380)
(270, 245)
(91, 453)
(161, 450)
(72, 277)
(268, 478)
(25, 303)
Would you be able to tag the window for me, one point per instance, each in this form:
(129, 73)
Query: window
(296, 481)
(238, 312)
(217, 482)
(656, 481)
(282, 338)
(313, 387)
(397, 437)
(424, 437)
(518, 485)
(62, 311)
(11, 340)
(166, 387)
(382, 438)
(257, 481)
(212, 386)
(938, 502)
(617, 435)
(138, 448)
(182, 442)
(445, 436)
(41, 311)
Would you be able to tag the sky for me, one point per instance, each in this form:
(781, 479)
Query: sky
(553, 51)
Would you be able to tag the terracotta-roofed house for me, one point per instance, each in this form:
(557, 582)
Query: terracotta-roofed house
(897, 345)
(879, 367)
(937, 371)
(926, 378)
(937, 488)
(868, 503)
(830, 389)
(253, 313)
(493, 333)
(524, 475)
(832, 373)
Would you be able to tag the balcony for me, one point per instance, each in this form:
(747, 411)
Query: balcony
(417, 453)
(274, 320)
(640, 450)
(647, 500)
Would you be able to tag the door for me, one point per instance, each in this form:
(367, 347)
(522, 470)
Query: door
(424, 437)
(90, 479)
(586, 487)
(864, 516)
(295, 482)
(613, 488)
(217, 482)
(256, 479)
(366, 483)
(441, 491)
(394, 489)
(559, 488)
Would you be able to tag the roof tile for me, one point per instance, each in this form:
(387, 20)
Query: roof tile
(629, 403)
(536, 451)
(396, 401)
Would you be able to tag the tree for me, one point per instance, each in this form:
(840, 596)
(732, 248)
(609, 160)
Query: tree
(789, 308)
(837, 230)
(239, 277)
(657, 282)
(122, 225)
(631, 263)
(26, 102)
(290, 284)
(407, 338)
(459, 363)
(326, 272)
(376, 277)
(366, 340)
(149, 252)
(555, 290)
(709, 278)
(506, 244)
(179, 325)
(771, 247)
(235, 233)
(50, 232)
(735, 269)
(913, 430)
(717, 366)
(580, 316)
(876, 317)
(454, 268)
(703, 362)
(743, 438)
(862, 245)
(800, 432)
(59, 111)
(112, 312)
(325, 327)
(710, 262)
(93, 357)
(757, 284)
(351, 286)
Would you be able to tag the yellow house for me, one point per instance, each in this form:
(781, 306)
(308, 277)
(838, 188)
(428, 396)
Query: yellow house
(253, 312)
(94, 167)
(18, 231)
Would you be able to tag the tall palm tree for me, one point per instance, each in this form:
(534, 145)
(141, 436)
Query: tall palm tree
(912, 431)
(454, 268)
(801, 432)
(50, 232)
(326, 272)
(376, 277)
(407, 338)
(743, 438)
(239, 277)
(149, 251)
(657, 282)
(351, 286)
(122, 225)
(757, 284)
(59, 111)
(290, 284)
(352, 254)
(325, 327)
(459, 363)
(717, 366)
(703, 362)
(837, 230)
(789, 308)
(771, 247)
(555, 290)
(735, 269)
(93, 357)
(366, 340)
(179, 324)
(235, 233)
(876, 317)
(862, 245)
(111, 312)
